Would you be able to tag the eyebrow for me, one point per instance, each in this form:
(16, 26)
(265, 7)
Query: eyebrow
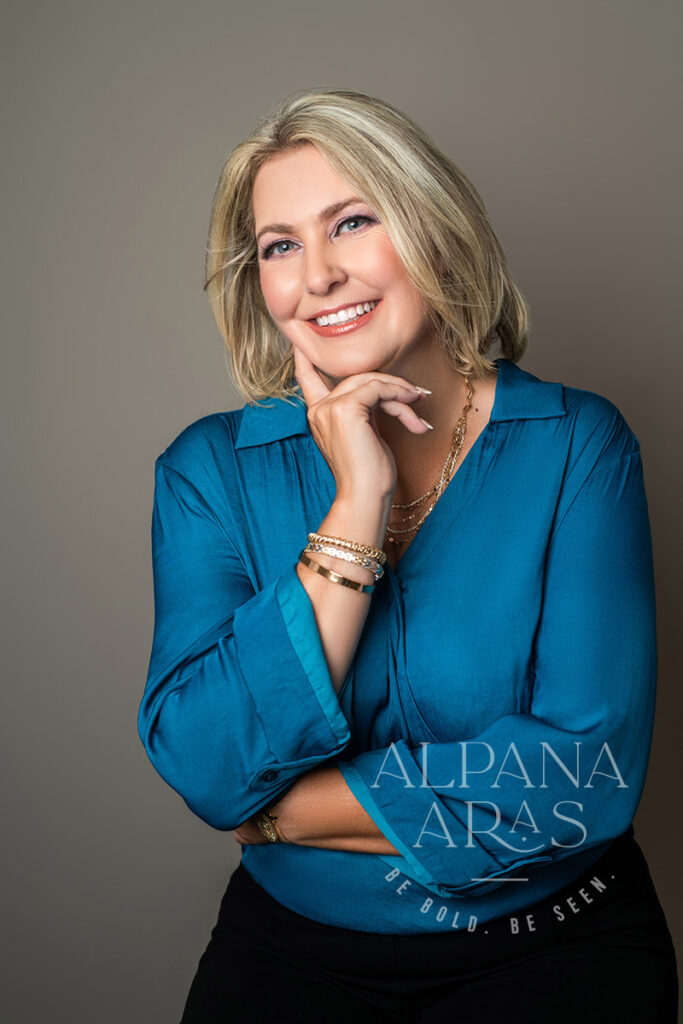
(329, 211)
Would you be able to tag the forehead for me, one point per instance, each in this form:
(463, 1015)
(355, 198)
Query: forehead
(295, 185)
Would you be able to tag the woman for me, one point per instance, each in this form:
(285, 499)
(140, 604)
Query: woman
(404, 643)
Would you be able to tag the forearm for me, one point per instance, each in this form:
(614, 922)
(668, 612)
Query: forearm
(320, 810)
(341, 611)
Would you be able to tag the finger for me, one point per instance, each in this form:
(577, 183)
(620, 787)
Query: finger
(376, 390)
(313, 386)
(406, 414)
(357, 379)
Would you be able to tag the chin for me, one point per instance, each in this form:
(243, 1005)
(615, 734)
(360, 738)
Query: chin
(347, 368)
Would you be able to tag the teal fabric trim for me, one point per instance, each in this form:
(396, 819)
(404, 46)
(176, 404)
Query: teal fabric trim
(415, 870)
(300, 622)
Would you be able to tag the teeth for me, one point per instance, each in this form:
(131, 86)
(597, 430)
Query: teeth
(342, 315)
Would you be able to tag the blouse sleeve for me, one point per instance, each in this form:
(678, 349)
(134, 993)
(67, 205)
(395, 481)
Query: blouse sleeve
(238, 699)
(568, 773)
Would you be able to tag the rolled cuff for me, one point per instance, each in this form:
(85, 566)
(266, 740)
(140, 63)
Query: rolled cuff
(296, 703)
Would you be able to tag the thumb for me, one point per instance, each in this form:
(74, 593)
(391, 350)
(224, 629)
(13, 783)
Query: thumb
(312, 384)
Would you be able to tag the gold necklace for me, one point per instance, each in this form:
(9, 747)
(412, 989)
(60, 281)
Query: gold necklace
(438, 488)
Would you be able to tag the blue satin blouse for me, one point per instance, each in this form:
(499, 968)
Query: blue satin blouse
(496, 720)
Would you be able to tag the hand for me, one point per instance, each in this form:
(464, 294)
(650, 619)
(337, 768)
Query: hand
(248, 833)
(343, 425)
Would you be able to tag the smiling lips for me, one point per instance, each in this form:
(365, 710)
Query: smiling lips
(331, 330)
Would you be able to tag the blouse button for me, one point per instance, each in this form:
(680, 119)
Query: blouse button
(269, 775)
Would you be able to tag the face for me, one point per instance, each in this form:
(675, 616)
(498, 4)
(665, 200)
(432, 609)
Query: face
(314, 259)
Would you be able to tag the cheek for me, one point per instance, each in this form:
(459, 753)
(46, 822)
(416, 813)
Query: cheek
(385, 271)
(378, 263)
(279, 294)
(392, 278)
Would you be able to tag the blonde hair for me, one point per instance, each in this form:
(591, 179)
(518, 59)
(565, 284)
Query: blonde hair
(431, 211)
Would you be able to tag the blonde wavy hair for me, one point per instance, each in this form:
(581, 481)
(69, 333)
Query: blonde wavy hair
(431, 211)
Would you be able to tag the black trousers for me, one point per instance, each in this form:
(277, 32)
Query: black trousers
(611, 961)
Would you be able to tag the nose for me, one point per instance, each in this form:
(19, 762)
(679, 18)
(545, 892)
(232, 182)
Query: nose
(321, 266)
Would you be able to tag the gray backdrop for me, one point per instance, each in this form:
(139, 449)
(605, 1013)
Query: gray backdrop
(118, 117)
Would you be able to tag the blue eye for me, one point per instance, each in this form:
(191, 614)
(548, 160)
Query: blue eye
(269, 250)
(265, 253)
(348, 220)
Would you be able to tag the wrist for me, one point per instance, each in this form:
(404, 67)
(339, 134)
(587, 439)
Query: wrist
(284, 826)
(363, 519)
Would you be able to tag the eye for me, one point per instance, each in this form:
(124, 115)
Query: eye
(357, 217)
(265, 253)
(269, 250)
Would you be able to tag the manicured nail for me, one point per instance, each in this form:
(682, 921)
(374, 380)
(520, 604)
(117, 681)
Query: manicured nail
(425, 391)
(425, 423)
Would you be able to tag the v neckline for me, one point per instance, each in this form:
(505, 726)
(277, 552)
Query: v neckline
(448, 506)
(427, 536)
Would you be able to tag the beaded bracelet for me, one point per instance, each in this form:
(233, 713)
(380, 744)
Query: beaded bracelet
(335, 577)
(348, 556)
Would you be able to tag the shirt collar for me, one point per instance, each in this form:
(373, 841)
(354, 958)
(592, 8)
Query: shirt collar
(519, 396)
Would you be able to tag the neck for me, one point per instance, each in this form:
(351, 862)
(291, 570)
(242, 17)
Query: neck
(443, 408)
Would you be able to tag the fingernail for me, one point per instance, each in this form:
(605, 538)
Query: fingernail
(425, 423)
(425, 391)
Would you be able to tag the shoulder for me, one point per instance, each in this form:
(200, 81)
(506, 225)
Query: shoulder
(576, 425)
(226, 455)
(226, 434)
(201, 459)
(234, 464)
(597, 429)
(202, 433)
(201, 442)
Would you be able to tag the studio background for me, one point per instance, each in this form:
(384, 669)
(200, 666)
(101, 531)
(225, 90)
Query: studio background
(117, 120)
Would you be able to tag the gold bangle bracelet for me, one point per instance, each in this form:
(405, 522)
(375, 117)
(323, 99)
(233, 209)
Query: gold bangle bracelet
(335, 577)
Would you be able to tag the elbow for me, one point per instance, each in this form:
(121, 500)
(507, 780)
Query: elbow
(212, 788)
(225, 816)
(600, 804)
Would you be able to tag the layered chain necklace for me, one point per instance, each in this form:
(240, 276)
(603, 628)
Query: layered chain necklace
(397, 534)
